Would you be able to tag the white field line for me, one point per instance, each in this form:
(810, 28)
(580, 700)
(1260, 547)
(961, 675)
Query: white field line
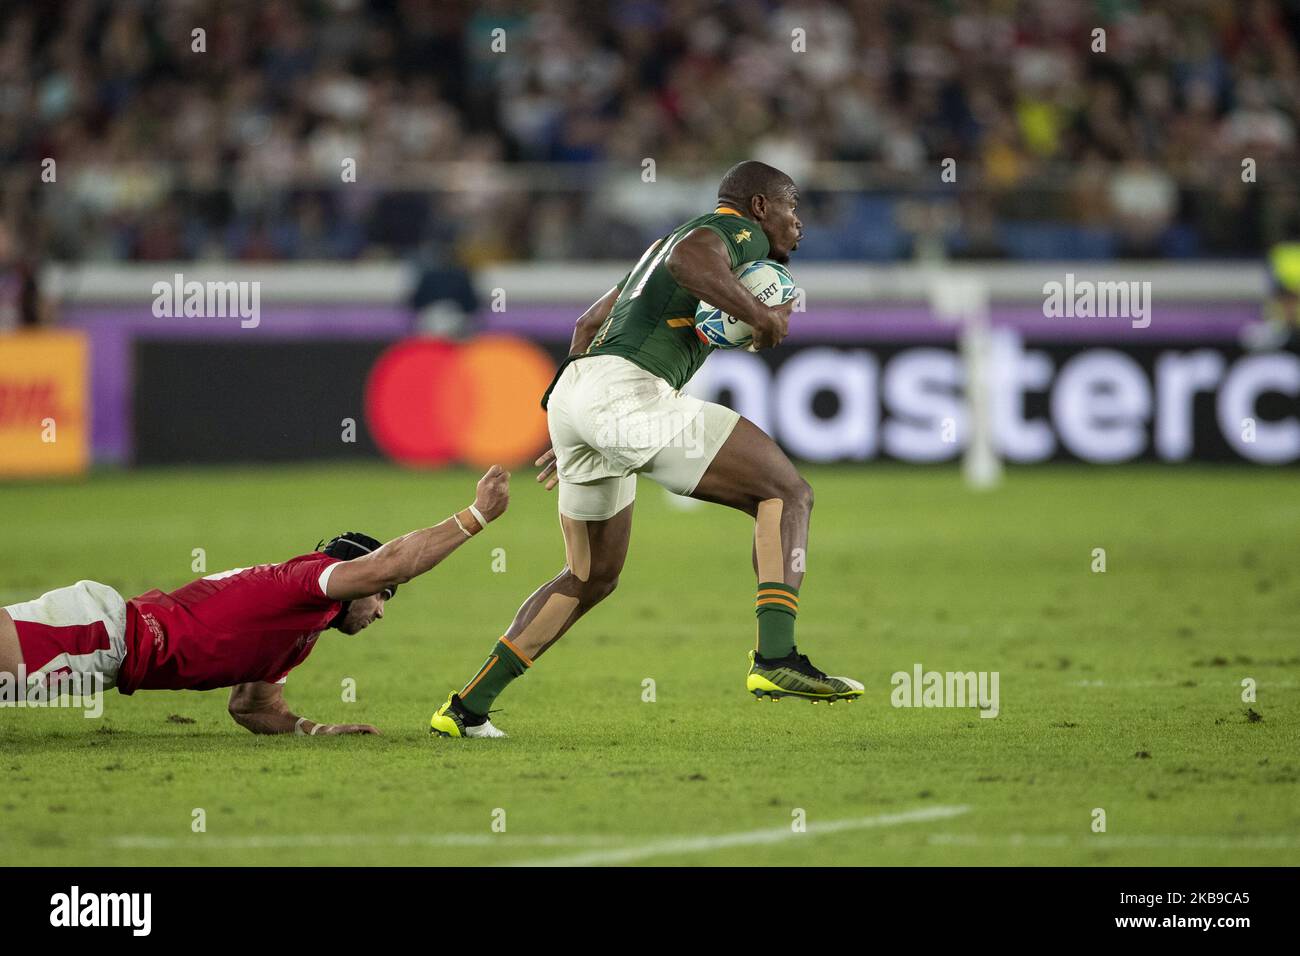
(1170, 683)
(705, 844)
(202, 841)
(1101, 841)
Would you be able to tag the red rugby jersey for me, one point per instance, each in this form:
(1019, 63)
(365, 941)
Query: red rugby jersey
(249, 624)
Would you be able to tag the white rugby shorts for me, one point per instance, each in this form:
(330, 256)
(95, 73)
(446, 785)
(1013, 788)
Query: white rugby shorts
(79, 629)
(610, 420)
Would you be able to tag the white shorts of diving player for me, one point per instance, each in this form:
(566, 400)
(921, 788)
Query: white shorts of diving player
(611, 420)
(83, 631)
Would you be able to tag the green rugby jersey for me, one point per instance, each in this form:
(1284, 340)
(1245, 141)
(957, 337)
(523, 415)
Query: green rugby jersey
(652, 323)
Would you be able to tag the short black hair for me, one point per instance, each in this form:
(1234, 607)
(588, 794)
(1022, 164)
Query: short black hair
(748, 179)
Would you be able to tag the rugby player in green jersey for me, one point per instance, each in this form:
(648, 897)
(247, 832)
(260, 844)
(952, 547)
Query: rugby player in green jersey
(615, 410)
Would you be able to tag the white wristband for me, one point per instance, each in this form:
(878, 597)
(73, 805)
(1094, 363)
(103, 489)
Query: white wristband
(478, 516)
(315, 729)
(297, 727)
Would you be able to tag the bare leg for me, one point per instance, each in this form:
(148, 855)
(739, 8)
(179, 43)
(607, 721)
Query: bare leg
(594, 555)
(11, 653)
(752, 474)
(594, 552)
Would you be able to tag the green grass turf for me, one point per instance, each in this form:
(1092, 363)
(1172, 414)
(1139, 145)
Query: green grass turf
(1118, 690)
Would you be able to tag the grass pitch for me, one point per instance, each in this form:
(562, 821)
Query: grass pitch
(1119, 690)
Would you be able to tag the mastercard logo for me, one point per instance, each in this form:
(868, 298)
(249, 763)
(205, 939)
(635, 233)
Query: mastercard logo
(431, 401)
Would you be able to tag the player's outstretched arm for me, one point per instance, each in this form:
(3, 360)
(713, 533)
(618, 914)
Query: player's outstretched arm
(413, 554)
(702, 266)
(259, 708)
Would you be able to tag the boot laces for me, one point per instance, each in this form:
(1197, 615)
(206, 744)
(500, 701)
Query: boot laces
(809, 668)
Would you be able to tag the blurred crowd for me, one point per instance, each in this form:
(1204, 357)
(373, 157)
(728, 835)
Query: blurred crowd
(491, 131)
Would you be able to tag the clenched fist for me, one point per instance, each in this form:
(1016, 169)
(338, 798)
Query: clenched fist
(493, 495)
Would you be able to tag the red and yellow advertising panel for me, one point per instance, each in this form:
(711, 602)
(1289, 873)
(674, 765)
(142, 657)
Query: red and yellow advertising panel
(44, 418)
(432, 401)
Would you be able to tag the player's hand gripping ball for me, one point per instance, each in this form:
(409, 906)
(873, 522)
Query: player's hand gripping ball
(771, 285)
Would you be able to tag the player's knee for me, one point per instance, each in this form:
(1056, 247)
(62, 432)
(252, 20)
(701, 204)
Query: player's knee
(798, 494)
(599, 586)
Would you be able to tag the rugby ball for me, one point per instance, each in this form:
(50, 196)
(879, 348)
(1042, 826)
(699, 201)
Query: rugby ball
(770, 283)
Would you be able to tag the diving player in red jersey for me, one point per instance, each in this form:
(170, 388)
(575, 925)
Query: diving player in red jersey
(245, 629)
